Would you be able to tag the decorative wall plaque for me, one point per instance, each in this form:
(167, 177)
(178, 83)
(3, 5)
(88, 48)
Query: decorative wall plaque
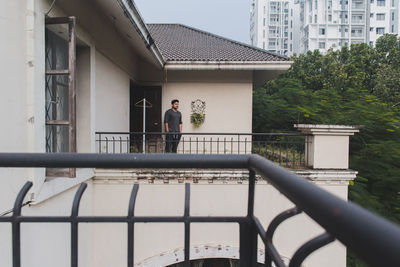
(198, 113)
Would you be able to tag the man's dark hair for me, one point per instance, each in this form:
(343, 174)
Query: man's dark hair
(174, 101)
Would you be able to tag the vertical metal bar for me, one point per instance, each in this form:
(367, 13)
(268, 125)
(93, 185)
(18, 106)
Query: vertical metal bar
(218, 145)
(113, 142)
(280, 153)
(268, 259)
(224, 145)
(197, 145)
(238, 140)
(131, 221)
(144, 126)
(16, 226)
(245, 145)
(287, 154)
(204, 145)
(293, 157)
(183, 145)
(250, 200)
(244, 241)
(187, 225)
(250, 213)
(99, 143)
(210, 145)
(74, 224)
(128, 150)
(231, 145)
(248, 233)
(106, 145)
(120, 144)
(273, 151)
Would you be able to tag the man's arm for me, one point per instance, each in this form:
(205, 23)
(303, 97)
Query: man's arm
(166, 119)
(180, 122)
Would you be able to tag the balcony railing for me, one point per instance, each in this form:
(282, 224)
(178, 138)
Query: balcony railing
(286, 149)
(374, 239)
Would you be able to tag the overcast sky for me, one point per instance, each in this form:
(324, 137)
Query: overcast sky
(228, 18)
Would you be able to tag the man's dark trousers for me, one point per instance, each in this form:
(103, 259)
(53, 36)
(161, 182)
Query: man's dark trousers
(171, 142)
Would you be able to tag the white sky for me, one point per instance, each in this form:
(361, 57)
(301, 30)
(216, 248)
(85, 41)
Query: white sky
(228, 18)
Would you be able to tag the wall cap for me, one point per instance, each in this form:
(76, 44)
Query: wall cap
(322, 129)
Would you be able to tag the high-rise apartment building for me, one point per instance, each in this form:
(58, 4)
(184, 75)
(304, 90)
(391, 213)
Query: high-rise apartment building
(296, 26)
(271, 25)
(383, 18)
(326, 24)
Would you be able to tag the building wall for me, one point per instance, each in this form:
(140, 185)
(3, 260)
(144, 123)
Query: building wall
(272, 26)
(332, 23)
(345, 22)
(228, 97)
(84, 100)
(152, 241)
(112, 96)
(22, 114)
(383, 19)
(13, 113)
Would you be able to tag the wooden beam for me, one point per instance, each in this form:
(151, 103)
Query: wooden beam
(72, 89)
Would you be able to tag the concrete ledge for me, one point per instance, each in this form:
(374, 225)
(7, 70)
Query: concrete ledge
(223, 176)
(322, 129)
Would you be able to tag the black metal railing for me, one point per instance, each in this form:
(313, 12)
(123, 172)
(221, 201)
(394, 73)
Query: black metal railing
(286, 149)
(372, 238)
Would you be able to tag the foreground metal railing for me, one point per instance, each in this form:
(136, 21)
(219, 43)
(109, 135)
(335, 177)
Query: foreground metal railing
(372, 238)
(286, 149)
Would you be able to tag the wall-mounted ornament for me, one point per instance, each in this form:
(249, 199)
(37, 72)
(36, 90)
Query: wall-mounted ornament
(198, 113)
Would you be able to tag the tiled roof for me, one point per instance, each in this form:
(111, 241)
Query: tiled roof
(177, 42)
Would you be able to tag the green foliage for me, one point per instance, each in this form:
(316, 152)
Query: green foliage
(197, 119)
(359, 85)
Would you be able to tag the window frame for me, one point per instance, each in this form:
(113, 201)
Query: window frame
(71, 71)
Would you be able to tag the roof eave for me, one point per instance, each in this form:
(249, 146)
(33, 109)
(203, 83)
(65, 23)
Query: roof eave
(137, 21)
(228, 65)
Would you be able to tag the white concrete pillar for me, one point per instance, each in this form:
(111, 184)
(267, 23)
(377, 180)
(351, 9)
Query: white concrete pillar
(327, 146)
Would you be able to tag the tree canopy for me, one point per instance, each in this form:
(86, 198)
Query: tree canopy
(357, 85)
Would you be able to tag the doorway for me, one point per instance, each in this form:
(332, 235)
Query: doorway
(152, 94)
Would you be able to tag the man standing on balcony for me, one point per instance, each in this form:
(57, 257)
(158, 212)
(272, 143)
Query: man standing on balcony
(173, 127)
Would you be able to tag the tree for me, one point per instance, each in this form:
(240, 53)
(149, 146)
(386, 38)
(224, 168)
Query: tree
(359, 85)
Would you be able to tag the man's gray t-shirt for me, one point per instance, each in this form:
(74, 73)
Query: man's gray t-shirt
(173, 119)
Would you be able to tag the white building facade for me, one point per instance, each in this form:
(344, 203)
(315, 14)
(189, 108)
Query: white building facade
(331, 24)
(326, 24)
(272, 24)
(383, 18)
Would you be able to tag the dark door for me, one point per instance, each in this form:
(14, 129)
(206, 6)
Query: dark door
(153, 113)
(153, 116)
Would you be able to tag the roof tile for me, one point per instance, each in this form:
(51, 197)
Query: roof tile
(178, 42)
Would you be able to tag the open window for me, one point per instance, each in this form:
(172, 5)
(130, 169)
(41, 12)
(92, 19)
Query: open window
(60, 108)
